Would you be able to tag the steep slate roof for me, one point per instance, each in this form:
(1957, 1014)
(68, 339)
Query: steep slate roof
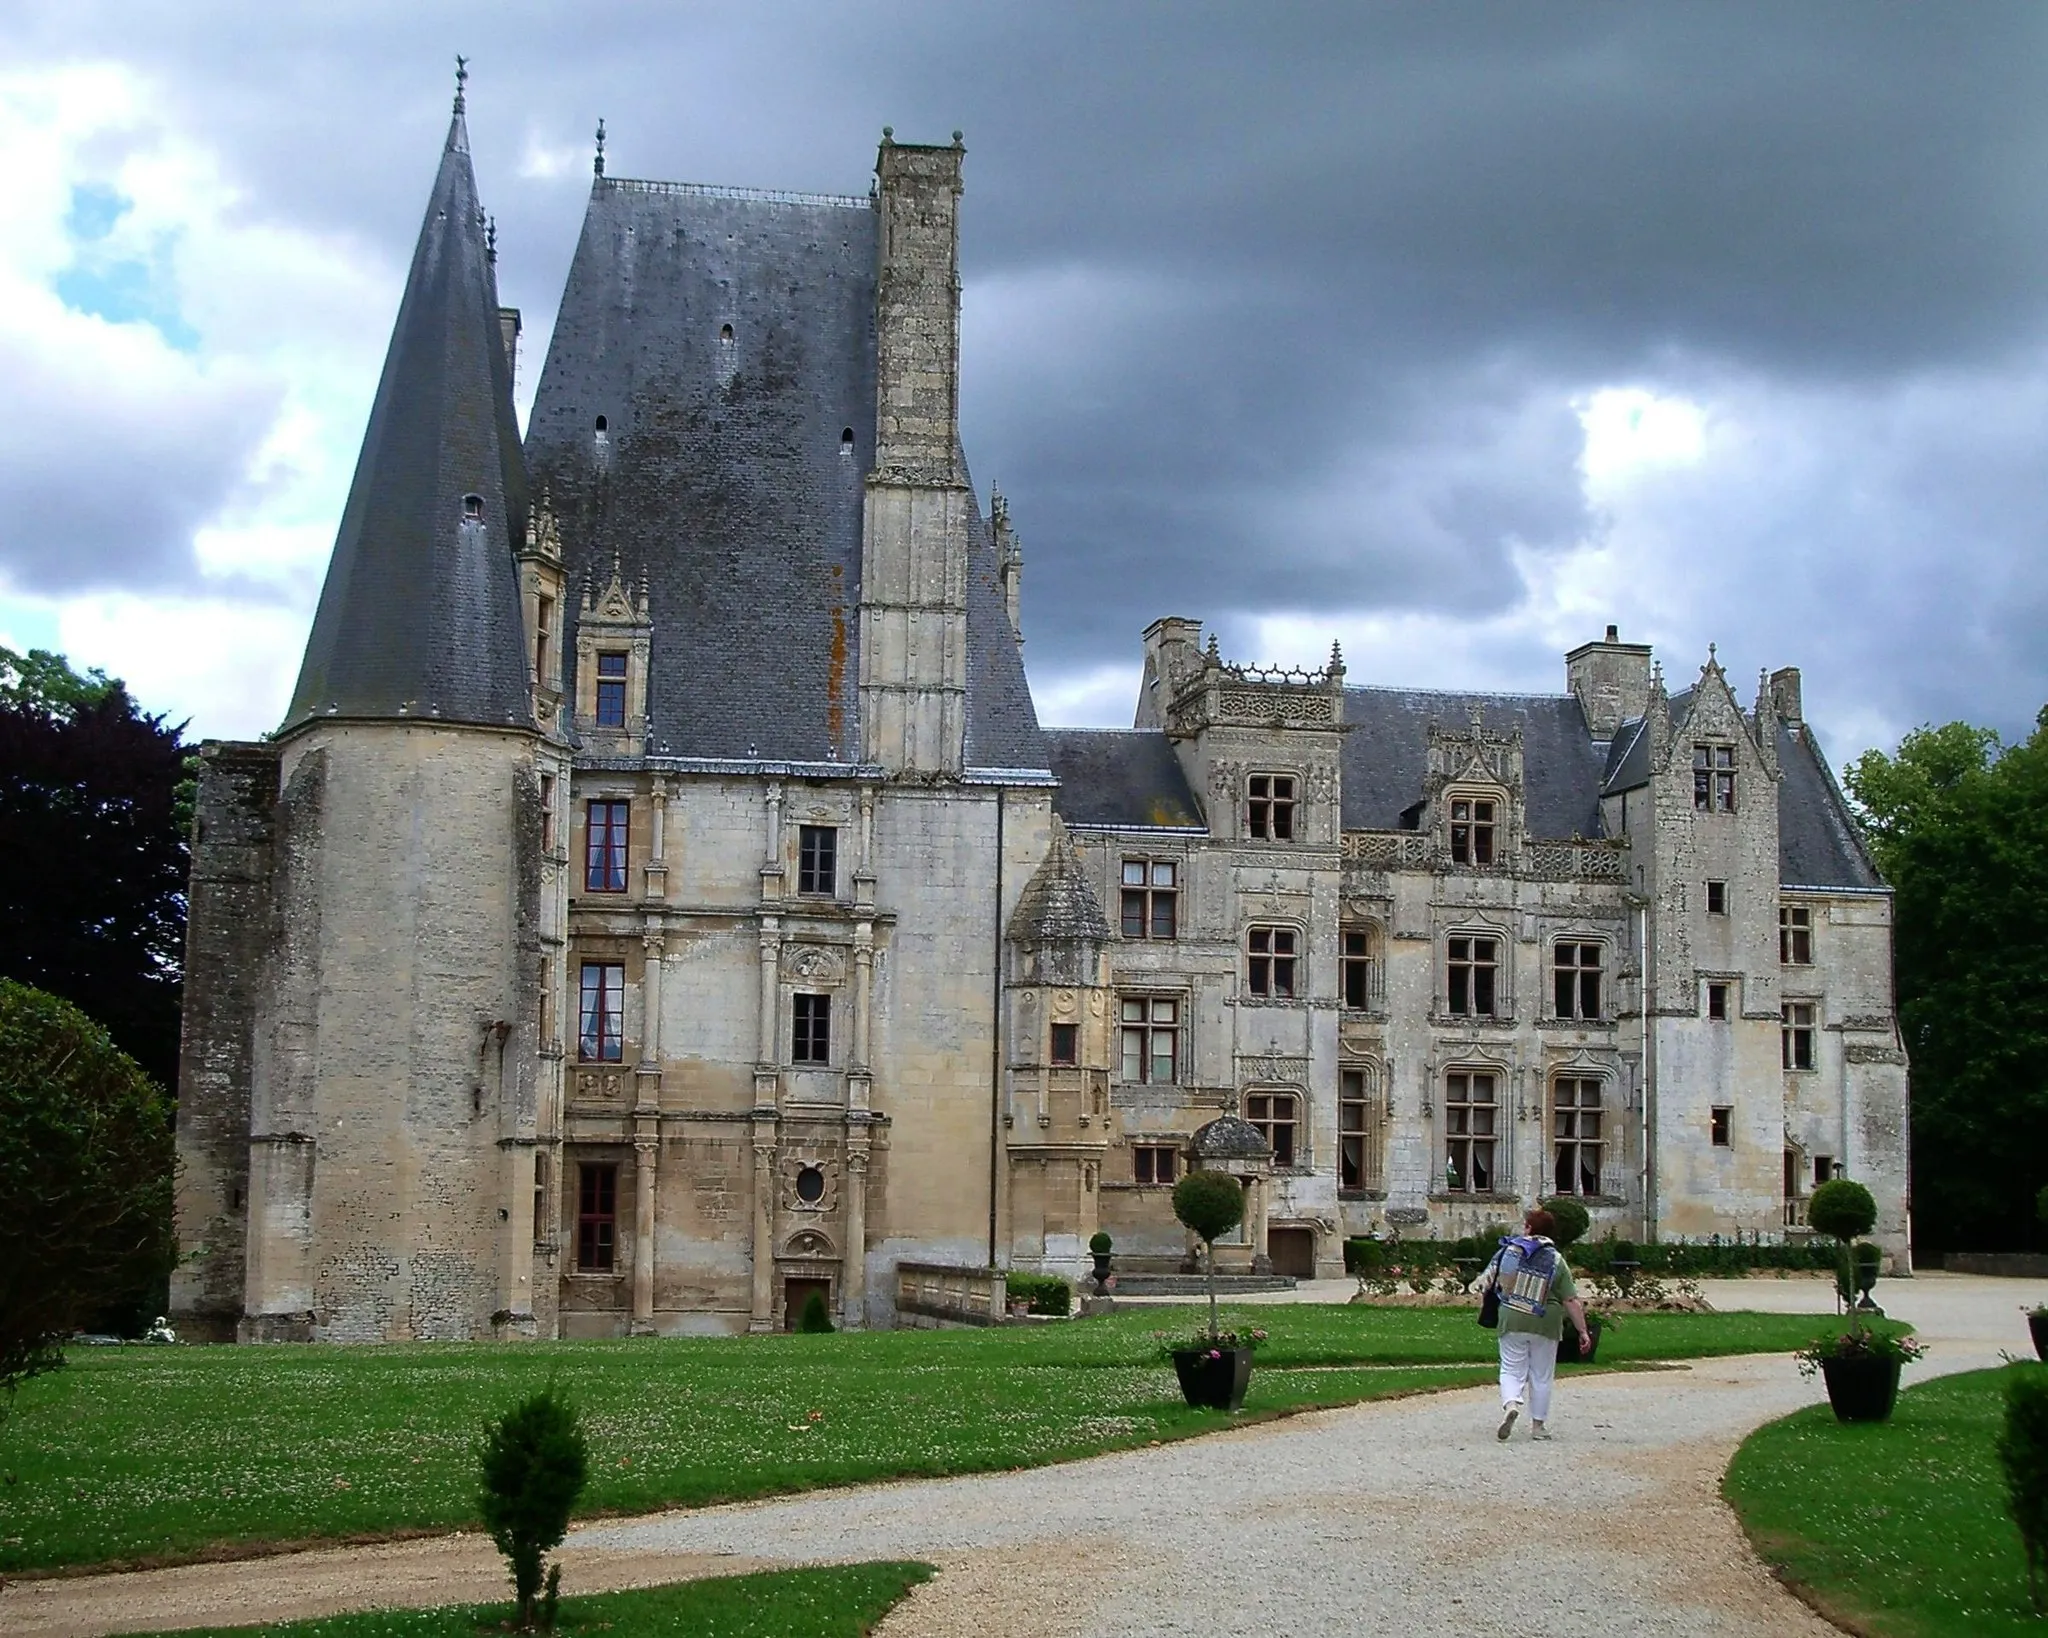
(1114, 776)
(1002, 723)
(420, 614)
(1818, 843)
(730, 484)
(1386, 754)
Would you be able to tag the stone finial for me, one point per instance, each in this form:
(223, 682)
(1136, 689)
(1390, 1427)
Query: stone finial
(491, 239)
(1336, 658)
(1215, 650)
(461, 80)
(597, 164)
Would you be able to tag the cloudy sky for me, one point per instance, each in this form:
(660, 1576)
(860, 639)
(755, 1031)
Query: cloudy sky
(1454, 332)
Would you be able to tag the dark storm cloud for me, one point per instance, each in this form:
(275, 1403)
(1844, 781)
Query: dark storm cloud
(1284, 308)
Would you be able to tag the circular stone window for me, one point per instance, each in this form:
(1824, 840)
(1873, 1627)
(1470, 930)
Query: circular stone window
(810, 1185)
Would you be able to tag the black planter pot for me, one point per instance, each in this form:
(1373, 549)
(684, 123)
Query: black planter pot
(1568, 1350)
(1213, 1379)
(2038, 1325)
(1861, 1390)
(1101, 1269)
(1624, 1271)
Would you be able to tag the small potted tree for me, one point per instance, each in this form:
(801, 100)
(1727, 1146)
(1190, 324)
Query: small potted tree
(1214, 1369)
(1842, 1210)
(1099, 1244)
(1861, 1369)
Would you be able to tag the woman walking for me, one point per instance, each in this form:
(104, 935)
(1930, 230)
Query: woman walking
(1536, 1293)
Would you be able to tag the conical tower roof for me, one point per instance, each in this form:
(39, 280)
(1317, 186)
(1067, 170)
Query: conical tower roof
(420, 614)
(1057, 905)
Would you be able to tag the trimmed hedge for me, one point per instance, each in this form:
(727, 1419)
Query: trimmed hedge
(1047, 1293)
(1706, 1257)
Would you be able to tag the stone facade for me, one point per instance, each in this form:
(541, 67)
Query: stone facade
(729, 930)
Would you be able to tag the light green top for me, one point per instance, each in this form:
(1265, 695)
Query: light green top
(1551, 1325)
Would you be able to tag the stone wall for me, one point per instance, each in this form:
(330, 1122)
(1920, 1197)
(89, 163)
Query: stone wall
(227, 935)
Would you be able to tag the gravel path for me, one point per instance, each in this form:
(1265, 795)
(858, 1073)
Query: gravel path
(1405, 1517)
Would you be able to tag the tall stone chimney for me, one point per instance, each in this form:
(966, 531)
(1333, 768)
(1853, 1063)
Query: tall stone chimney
(913, 651)
(1611, 680)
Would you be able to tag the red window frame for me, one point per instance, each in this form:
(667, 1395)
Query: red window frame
(597, 1217)
(600, 1032)
(607, 829)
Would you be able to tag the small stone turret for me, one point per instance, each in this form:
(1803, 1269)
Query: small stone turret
(1061, 1031)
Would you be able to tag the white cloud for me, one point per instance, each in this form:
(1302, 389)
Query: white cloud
(1103, 697)
(188, 378)
(226, 666)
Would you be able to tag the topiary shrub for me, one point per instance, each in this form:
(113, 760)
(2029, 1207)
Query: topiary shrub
(534, 1461)
(1099, 1243)
(1841, 1210)
(1572, 1219)
(2023, 1455)
(1209, 1204)
(1464, 1249)
(1623, 1251)
(2041, 1204)
(1364, 1256)
(814, 1318)
(1046, 1293)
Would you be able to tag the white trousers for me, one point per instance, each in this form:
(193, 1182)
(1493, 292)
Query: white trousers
(1528, 1367)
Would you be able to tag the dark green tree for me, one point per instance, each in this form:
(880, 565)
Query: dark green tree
(1572, 1219)
(85, 1178)
(94, 812)
(1959, 826)
(1209, 1204)
(2023, 1458)
(534, 1461)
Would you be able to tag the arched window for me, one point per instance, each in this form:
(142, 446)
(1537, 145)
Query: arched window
(1361, 1129)
(1272, 964)
(1475, 828)
(1277, 1116)
(1363, 984)
(1577, 1134)
(1471, 1124)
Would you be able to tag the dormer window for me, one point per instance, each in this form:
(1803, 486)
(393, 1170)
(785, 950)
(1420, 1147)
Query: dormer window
(611, 690)
(1713, 778)
(472, 508)
(1269, 808)
(1472, 830)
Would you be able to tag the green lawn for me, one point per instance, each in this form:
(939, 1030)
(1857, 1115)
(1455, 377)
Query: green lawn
(839, 1601)
(1897, 1528)
(145, 1454)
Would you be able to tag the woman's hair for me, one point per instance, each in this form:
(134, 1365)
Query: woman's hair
(1541, 1222)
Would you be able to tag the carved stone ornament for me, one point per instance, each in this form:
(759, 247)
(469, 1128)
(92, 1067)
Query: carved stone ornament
(1063, 1003)
(822, 1186)
(814, 964)
(1407, 1216)
(602, 1084)
(1857, 1053)
(809, 1243)
(1272, 1068)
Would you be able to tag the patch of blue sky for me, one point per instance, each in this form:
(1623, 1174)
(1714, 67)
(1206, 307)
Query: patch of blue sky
(95, 209)
(25, 624)
(128, 289)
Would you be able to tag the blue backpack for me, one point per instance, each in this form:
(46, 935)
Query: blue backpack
(1524, 1270)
